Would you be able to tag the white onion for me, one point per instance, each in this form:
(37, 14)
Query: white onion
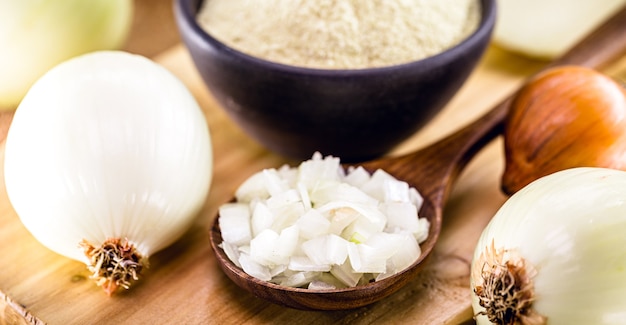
(316, 226)
(547, 28)
(562, 239)
(36, 35)
(108, 146)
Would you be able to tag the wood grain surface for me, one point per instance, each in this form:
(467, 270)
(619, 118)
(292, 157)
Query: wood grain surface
(184, 284)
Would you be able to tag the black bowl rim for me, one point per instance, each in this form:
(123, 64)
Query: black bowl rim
(488, 17)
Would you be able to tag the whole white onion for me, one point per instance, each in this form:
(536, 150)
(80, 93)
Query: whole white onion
(555, 253)
(36, 35)
(108, 154)
(548, 28)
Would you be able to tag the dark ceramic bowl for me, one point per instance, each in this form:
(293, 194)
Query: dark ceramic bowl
(352, 114)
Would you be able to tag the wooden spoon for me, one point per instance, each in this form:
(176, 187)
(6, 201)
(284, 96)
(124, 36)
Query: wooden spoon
(432, 171)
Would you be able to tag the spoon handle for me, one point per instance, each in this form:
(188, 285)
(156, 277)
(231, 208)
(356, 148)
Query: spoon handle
(433, 169)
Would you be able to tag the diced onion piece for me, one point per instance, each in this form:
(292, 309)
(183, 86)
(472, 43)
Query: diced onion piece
(234, 223)
(231, 251)
(415, 197)
(287, 243)
(319, 169)
(401, 216)
(396, 191)
(320, 285)
(274, 184)
(280, 200)
(304, 196)
(326, 192)
(286, 207)
(270, 248)
(262, 218)
(346, 274)
(405, 256)
(374, 253)
(328, 249)
(278, 270)
(254, 269)
(313, 224)
(357, 177)
(339, 219)
(422, 234)
(299, 279)
(304, 263)
(251, 188)
(289, 175)
(375, 187)
(371, 212)
(362, 228)
(262, 248)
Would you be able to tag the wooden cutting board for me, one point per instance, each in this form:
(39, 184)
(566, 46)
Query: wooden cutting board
(184, 285)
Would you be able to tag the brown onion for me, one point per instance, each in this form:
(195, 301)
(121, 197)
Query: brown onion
(565, 117)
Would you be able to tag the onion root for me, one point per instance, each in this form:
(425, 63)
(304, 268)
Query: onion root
(505, 288)
(115, 263)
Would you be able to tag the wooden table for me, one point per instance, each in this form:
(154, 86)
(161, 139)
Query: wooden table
(184, 285)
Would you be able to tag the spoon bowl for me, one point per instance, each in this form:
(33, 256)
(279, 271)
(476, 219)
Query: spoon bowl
(336, 299)
(432, 171)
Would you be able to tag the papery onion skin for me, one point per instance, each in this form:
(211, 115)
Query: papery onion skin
(36, 35)
(567, 116)
(568, 229)
(108, 146)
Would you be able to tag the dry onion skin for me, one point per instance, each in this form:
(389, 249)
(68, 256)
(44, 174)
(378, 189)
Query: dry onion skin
(564, 117)
(555, 253)
(317, 226)
(108, 160)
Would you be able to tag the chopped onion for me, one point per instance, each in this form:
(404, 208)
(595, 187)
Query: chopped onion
(235, 219)
(318, 226)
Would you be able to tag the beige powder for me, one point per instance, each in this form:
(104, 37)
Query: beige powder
(340, 34)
